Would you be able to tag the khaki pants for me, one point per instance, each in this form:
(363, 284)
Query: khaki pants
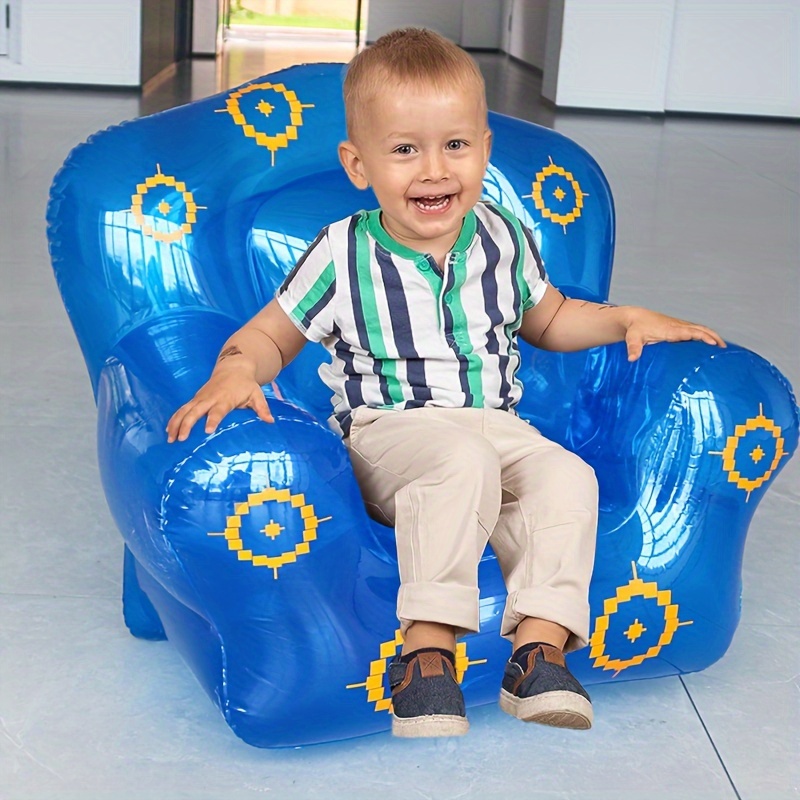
(452, 479)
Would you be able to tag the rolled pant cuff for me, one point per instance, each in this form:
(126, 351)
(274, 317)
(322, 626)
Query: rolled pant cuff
(548, 604)
(439, 602)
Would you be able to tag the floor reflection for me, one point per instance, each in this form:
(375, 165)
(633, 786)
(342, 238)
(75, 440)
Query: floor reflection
(242, 59)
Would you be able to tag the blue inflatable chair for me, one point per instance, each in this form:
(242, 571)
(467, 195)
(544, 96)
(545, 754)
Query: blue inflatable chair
(250, 549)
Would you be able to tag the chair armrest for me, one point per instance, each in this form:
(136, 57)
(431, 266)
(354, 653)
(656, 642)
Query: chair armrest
(688, 412)
(252, 539)
(677, 403)
(688, 436)
(150, 373)
(684, 443)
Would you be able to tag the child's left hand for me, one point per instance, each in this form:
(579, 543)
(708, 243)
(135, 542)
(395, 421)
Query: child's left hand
(648, 327)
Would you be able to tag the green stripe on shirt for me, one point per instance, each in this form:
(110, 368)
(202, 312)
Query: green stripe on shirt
(321, 285)
(522, 243)
(369, 307)
(461, 331)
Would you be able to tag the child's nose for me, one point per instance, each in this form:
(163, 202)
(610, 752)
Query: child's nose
(434, 167)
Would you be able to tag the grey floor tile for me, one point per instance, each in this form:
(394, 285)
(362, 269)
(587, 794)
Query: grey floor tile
(127, 720)
(679, 195)
(760, 313)
(42, 375)
(58, 536)
(707, 229)
(31, 299)
(750, 704)
(770, 150)
(771, 572)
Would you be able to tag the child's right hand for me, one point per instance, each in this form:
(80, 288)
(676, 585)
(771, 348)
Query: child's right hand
(252, 357)
(226, 389)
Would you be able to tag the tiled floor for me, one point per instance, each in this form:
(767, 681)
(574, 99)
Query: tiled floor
(709, 228)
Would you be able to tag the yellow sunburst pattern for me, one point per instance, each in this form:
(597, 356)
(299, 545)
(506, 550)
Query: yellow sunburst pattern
(376, 684)
(233, 529)
(756, 439)
(266, 97)
(556, 182)
(148, 221)
(636, 587)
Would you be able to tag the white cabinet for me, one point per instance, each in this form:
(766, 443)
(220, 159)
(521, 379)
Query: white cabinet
(717, 56)
(614, 54)
(75, 41)
(5, 25)
(9, 30)
(737, 57)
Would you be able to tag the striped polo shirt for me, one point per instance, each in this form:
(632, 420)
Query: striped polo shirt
(404, 332)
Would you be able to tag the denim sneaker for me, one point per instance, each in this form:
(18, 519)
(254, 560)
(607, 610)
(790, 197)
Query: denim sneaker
(545, 691)
(426, 698)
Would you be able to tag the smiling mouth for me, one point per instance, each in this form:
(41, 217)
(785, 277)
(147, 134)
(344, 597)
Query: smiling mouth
(433, 204)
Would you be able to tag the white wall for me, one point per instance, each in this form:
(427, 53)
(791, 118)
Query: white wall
(552, 53)
(471, 23)
(528, 34)
(480, 24)
(443, 16)
(204, 27)
(66, 41)
(734, 56)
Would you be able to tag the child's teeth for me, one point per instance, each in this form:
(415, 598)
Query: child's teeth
(432, 202)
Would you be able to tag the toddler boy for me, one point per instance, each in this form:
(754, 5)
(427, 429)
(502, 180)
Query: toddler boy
(419, 304)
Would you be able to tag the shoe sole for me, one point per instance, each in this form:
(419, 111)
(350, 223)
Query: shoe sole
(429, 726)
(558, 709)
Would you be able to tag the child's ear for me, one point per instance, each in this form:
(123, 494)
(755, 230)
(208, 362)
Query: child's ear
(487, 144)
(353, 165)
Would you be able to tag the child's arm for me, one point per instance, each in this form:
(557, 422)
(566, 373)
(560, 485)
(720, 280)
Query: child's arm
(562, 324)
(253, 356)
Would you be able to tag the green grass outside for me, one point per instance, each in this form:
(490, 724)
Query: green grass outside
(244, 17)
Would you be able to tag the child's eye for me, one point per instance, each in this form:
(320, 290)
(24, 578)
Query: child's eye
(404, 150)
(456, 144)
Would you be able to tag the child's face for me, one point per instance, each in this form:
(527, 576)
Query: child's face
(424, 153)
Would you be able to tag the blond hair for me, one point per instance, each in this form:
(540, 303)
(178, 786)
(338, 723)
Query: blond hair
(407, 56)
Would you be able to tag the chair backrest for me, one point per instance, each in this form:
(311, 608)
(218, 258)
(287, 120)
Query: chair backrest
(208, 205)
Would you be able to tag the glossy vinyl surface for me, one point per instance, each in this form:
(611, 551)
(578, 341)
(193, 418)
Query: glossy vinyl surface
(250, 549)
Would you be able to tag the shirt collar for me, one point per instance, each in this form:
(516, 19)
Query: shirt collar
(462, 244)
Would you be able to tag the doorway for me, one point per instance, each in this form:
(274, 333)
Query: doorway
(263, 36)
(335, 19)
